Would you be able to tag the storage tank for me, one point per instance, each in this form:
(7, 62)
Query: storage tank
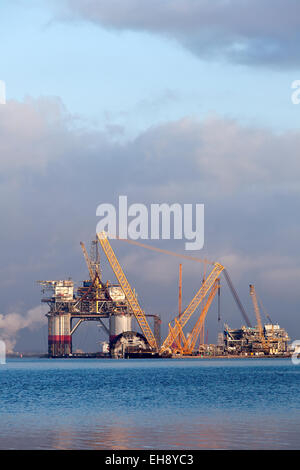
(119, 324)
(59, 337)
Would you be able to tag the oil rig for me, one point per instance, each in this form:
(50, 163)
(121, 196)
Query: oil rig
(267, 339)
(96, 301)
(114, 306)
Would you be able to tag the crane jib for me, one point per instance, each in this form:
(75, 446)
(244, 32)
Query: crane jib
(186, 315)
(131, 298)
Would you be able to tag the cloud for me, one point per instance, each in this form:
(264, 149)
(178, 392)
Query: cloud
(275, 272)
(37, 132)
(256, 32)
(54, 173)
(39, 136)
(221, 154)
(24, 128)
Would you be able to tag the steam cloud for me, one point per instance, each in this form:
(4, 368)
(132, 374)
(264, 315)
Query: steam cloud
(12, 323)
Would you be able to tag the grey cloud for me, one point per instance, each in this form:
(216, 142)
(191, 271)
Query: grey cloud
(38, 132)
(221, 154)
(260, 32)
(39, 136)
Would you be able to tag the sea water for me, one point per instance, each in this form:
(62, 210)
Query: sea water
(149, 404)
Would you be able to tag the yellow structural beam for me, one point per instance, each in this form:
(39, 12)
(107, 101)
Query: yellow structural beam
(129, 294)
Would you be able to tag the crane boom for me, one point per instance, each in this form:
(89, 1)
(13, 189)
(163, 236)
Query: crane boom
(192, 338)
(183, 319)
(166, 252)
(258, 317)
(95, 258)
(87, 260)
(131, 298)
(264, 310)
(236, 298)
(178, 339)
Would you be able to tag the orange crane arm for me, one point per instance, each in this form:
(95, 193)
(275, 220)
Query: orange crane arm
(166, 252)
(192, 338)
(131, 298)
(177, 338)
(186, 315)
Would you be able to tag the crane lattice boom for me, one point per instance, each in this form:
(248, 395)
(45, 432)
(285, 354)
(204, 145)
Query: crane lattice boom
(131, 298)
(192, 338)
(186, 315)
(258, 317)
(236, 298)
(87, 260)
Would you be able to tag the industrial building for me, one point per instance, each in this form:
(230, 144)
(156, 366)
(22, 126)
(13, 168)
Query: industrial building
(247, 341)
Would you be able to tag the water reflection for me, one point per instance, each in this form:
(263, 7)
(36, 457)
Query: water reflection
(150, 405)
(213, 432)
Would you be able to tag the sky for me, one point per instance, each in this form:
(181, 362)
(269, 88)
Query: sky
(174, 101)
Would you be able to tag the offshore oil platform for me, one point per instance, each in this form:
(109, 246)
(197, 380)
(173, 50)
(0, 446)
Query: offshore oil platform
(268, 339)
(114, 306)
(96, 301)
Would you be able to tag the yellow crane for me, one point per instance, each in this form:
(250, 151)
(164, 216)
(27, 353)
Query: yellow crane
(185, 345)
(191, 340)
(265, 343)
(87, 260)
(94, 274)
(175, 331)
(166, 252)
(175, 338)
(129, 294)
(178, 337)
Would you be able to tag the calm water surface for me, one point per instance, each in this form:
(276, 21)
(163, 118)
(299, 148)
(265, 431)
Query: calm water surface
(150, 404)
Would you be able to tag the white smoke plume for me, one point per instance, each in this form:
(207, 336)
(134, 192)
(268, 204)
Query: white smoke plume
(12, 323)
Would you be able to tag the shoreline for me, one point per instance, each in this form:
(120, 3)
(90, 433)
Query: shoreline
(97, 356)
